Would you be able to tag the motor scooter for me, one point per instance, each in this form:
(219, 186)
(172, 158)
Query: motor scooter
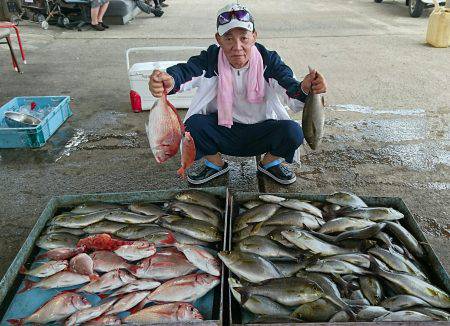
(148, 8)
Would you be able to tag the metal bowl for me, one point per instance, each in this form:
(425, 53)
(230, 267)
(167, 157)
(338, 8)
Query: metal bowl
(20, 120)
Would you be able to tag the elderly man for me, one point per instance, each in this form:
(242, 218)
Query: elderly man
(239, 107)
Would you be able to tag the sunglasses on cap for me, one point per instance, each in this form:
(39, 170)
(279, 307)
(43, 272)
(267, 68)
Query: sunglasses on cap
(241, 15)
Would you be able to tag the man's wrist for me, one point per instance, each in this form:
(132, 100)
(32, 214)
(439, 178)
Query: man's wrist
(173, 84)
(303, 91)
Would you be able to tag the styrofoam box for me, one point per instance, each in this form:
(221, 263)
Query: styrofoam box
(139, 75)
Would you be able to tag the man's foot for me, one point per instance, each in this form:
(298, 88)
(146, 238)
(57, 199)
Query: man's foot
(278, 172)
(103, 25)
(209, 172)
(97, 27)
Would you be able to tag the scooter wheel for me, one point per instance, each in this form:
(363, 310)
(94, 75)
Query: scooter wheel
(416, 8)
(66, 22)
(44, 25)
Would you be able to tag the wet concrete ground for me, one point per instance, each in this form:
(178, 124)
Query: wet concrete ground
(387, 130)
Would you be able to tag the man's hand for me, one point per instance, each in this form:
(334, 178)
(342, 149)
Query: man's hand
(316, 80)
(160, 81)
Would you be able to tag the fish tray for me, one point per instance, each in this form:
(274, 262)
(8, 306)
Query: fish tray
(34, 137)
(438, 275)
(15, 306)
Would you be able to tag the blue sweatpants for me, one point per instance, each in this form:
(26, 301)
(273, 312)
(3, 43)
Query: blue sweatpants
(278, 137)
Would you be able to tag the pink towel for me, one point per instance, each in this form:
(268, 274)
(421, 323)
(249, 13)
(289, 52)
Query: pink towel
(225, 94)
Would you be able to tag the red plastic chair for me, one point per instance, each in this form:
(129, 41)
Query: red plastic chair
(3, 34)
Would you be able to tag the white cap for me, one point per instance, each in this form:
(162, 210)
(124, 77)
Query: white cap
(222, 29)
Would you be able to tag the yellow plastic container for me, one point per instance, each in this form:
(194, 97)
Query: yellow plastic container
(438, 33)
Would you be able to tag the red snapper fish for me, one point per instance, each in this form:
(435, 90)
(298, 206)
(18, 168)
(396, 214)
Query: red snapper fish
(61, 253)
(163, 130)
(165, 264)
(102, 242)
(59, 280)
(185, 288)
(109, 281)
(187, 154)
(59, 307)
(107, 261)
(47, 269)
(165, 313)
(89, 314)
(136, 251)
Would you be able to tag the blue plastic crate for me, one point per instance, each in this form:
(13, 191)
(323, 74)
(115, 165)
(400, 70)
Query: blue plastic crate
(36, 136)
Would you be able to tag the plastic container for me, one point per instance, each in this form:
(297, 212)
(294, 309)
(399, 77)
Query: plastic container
(13, 305)
(438, 33)
(438, 275)
(139, 73)
(57, 110)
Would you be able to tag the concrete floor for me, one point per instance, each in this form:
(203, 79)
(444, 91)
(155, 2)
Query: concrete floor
(387, 120)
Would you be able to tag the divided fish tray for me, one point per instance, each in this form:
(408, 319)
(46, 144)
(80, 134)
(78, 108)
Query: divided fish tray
(438, 276)
(13, 305)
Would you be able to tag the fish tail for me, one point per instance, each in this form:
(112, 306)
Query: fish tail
(139, 306)
(27, 286)
(350, 313)
(309, 261)
(374, 266)
(344, 306)
(102, 295)
(18, 322)
(133, 269)
(244, 294)
(41, 256)
(181, 173)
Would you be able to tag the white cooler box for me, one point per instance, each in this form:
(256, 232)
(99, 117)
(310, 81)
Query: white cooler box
(139, 73)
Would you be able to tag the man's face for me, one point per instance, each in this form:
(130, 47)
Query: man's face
(237, 44)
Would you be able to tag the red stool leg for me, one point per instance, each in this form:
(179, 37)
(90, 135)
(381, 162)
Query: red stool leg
(13, 57)
(22, 52)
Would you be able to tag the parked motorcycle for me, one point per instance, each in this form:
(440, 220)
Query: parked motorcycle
(148, 8)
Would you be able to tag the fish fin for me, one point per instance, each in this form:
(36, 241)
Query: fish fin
(27, 286)
(133, 269)
(244, 294)
(374, 266)
(309, 261)
(18, 322)
(94, 277)
(344, 210)
(256, 228)
(328, 215)
(22, 270)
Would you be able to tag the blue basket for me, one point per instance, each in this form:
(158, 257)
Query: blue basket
(35, 136)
